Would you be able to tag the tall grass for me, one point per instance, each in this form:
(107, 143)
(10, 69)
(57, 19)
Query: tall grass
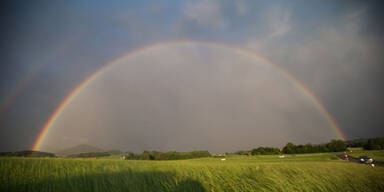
(317, 172)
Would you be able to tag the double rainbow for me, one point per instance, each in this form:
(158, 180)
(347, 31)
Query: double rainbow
(14, 93)
(90, 78)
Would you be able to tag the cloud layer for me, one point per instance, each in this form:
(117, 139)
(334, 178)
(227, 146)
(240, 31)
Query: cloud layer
(190, 97)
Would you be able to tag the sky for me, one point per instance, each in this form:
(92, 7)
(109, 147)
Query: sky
(190, 96)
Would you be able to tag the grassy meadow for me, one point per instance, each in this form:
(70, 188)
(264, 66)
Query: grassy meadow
(309, 172)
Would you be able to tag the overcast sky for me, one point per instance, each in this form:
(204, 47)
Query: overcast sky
(191, 96)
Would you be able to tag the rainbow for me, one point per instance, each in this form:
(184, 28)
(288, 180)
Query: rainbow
(90, 78)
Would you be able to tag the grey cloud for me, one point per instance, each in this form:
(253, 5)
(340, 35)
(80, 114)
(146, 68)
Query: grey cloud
(205, 12)
(335, 62)
(187, 98)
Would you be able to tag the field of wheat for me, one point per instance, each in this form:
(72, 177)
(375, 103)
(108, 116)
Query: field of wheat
(314, 172)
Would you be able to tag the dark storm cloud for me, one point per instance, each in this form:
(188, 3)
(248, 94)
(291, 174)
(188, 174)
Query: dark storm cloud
(339, 60)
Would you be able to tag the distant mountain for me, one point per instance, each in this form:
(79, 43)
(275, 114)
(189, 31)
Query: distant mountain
(78, 149)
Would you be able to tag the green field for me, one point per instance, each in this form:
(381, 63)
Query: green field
(310, 172)
(351, 149)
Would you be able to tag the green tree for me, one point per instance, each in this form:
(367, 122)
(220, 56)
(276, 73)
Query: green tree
(308, 148)
(374, 144)
(337, 145)
(290, 148)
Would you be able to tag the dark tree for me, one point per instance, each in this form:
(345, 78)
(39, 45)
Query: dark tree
(290, 148)
(337, 145)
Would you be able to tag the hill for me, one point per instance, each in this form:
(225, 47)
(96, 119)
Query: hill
(78, 149)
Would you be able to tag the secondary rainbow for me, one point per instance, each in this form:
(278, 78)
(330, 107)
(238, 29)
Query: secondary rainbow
(90, 78)
(27, 80)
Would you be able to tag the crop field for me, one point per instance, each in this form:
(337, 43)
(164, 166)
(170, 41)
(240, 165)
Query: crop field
(315, 172)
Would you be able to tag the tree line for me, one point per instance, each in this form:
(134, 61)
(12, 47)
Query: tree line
(290, 148)
(170, 155)
(376, 143)
(91, 154)
(333, 146)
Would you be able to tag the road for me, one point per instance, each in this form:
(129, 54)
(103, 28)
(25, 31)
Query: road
(357, 160)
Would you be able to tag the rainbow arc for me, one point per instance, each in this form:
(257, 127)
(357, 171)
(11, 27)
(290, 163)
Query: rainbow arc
(59, 110)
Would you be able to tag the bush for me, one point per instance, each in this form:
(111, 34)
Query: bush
(265, 151)
(243, 152)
